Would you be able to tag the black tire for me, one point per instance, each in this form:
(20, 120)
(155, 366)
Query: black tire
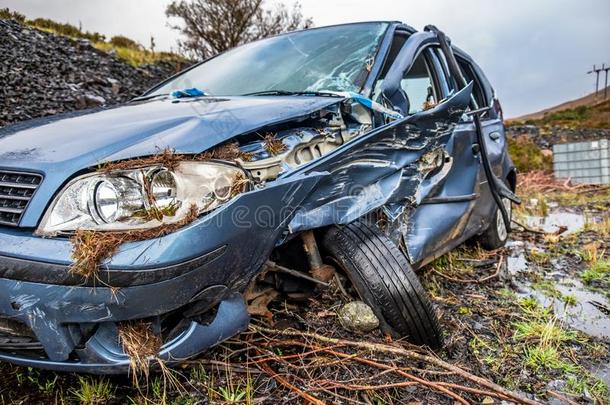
(384, 279)
(494, 237)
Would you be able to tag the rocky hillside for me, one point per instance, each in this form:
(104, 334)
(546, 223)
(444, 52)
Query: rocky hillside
(532, 137)
(44, 74)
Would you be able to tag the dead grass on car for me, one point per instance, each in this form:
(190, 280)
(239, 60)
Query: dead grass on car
(273, 145)
(140, 344)
(91, 248)
(169, 159)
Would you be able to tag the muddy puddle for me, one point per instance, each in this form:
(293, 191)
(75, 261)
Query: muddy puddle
(561, 219)
(585, 310)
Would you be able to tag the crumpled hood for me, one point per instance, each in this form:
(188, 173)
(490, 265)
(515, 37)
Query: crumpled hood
(139, 129)
(59, 148)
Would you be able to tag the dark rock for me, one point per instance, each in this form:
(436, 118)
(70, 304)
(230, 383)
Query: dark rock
(546, 137)
(43, 74)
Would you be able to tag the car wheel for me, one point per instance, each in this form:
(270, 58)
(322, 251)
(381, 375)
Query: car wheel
(383, 278)
(496, 235)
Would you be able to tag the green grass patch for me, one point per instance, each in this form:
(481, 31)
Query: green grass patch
(529, 304)
(543, 331)
(587, 116)
(546, 357)
(528, 156)
(599, 272)
(568, 116)
(547, 287)
(92, 390)
(569, 300)
(541, 339)
(589, 384)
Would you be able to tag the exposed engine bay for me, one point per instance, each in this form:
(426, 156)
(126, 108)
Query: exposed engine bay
(306, 140)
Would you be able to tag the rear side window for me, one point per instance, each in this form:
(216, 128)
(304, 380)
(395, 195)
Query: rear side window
(479, 93)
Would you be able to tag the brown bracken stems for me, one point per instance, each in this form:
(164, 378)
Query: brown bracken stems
(407, 375)
(281, 380)
(385, 348)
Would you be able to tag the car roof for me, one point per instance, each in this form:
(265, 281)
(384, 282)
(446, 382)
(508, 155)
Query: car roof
(390, 23)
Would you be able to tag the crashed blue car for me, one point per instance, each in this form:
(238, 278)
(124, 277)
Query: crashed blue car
(352, 154)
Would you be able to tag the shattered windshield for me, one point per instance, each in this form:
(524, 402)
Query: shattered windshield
(333, 58)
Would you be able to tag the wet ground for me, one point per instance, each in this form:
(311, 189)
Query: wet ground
(586, 308)
(533, 317)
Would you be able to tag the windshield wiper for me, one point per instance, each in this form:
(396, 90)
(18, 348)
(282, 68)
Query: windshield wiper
(143, 98)
(291, 93)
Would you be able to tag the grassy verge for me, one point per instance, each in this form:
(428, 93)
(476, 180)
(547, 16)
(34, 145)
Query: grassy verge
(596, 116)
(527, 156)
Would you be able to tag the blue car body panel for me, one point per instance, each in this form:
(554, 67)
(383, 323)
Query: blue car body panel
(210, 261)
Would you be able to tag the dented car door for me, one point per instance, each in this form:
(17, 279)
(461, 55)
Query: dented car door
(437, 221)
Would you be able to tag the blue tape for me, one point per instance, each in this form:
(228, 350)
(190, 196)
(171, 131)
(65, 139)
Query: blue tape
(192, 92)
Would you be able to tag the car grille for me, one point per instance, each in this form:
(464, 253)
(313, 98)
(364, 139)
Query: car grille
(17, 337)
(16, 191)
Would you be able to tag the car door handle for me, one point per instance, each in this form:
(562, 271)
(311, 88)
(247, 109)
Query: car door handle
(495, 136)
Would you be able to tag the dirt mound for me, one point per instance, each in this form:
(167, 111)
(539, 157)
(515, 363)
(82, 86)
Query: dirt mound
(44, 74)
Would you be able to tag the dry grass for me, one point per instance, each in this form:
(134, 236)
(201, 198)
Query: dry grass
(138, 56)
(140, 343)
(169, 159)
(238, 185)
(273, 145)
(166, 158)
(228, 151)
(90, 248)
(542, 182)
(155, 213)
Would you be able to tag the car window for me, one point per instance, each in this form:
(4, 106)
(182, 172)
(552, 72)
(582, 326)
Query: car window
(487, 89)
(442, 69)
(418, 84)
(470, 75)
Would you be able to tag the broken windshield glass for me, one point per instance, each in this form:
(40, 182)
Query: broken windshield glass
(334, 58)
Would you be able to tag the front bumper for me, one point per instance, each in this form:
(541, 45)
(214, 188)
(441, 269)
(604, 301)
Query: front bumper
(77, 325)
(203, 265)
(103, 354)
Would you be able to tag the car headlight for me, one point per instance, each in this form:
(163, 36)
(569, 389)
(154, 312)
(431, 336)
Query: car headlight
(141, 198)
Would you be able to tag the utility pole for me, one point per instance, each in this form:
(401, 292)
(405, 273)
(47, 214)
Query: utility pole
(605, 69)
(597, 72)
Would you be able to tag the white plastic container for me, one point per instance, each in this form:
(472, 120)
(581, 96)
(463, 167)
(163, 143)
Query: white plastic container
(583, 162)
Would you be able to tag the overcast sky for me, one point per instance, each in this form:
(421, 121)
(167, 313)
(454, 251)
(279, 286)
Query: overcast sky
(535, 52)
